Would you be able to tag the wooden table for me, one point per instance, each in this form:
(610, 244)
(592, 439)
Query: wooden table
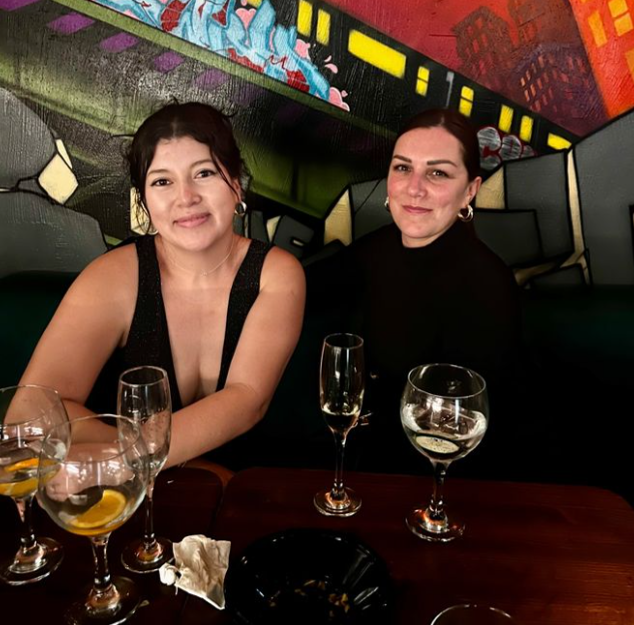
(186, 501)
(560, 555)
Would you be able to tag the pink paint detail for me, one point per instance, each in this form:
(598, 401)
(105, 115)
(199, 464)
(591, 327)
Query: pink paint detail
(328, 59)
(302, 48)
(332, 67)
(246, 15)
(336, 97)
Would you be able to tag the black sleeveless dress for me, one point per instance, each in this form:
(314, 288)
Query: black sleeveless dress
(148, 340)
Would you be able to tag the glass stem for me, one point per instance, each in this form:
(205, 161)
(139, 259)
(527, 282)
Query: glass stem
(27, 539)
(436, 509)
(149, 538)
(31, 555)
(103, 596)
(338, 493)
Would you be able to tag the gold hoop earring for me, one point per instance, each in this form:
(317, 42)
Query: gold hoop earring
(241, 209)
(468, 216)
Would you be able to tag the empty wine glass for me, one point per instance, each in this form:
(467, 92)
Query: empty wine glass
(27, 413)
(444, 412)
(144, 396)
(341, 388)
(93, 474)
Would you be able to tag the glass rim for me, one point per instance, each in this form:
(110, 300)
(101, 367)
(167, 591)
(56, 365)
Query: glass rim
(71, 422)
(468, 606)
(447, 364)
(139, 384)
(39, 387)
(347, 334)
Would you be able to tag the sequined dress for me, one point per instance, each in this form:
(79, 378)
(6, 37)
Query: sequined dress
(148, 340)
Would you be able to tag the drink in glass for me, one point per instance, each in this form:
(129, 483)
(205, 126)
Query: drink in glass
(27, 412)
(92, 477)
(341, 388)
(444, 412)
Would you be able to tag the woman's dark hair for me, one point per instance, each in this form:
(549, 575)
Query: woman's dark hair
(457, 125)
(201, 122)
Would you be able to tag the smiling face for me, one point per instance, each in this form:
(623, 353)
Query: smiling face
(190, 203)
(428, 184)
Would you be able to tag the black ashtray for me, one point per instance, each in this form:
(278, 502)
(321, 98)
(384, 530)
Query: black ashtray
(312, 577)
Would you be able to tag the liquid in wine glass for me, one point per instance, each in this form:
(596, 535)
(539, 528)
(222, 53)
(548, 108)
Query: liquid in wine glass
(92, 477)
(341, 389)
(444, 413)
(27, 412)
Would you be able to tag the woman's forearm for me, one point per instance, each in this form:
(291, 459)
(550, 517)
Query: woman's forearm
(213, 421)
(75, 410)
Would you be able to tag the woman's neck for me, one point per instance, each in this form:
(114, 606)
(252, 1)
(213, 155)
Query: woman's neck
(200, 266)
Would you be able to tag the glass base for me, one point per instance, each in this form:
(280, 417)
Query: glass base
(33, 568)
(471, 614)
(136, 559)
(422, 525)
(118, 610)
(328, 506)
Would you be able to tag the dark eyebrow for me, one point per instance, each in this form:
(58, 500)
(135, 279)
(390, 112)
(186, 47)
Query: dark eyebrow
(440, 161)
(196, 164)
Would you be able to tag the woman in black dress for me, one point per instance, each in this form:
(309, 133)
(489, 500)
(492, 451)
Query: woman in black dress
(426, 289)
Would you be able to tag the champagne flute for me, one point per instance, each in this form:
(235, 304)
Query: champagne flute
(27, 412)
(144, 396)
(444, 412)
(93, 474)
(341, 387)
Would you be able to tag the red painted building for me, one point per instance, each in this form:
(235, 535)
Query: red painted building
(485, 47)
(607, 30)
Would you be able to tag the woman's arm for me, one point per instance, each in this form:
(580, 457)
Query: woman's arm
(90, 322)
(268, 338)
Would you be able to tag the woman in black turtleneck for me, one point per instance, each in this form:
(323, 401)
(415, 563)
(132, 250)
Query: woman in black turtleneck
(427, 290)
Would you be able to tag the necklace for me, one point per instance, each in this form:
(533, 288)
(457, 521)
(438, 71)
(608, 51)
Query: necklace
(209, 271)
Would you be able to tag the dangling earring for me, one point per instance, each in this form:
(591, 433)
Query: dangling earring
(468, 216)
(241, 209)
(387, 203)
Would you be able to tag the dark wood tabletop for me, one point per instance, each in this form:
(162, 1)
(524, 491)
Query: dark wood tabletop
(547, 554)
(186, 501)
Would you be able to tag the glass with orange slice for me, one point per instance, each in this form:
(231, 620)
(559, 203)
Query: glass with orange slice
(27, 413)
(92, 476)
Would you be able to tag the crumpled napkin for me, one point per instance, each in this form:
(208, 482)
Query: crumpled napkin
(200, 567)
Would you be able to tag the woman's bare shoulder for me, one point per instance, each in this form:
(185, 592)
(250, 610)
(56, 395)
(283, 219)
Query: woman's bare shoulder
(282, 268)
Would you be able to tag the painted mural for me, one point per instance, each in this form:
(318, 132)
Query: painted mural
(316, 90)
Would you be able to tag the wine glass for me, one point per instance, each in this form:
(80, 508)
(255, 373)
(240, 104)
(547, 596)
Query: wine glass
(341, 387)
(444, 412)
(27, 412)
(93, 474)
(144, 396)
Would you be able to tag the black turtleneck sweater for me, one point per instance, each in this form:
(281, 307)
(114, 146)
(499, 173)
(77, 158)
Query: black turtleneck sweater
(452, 301)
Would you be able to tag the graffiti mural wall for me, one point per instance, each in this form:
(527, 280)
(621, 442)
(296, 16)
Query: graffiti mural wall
(316, 89)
